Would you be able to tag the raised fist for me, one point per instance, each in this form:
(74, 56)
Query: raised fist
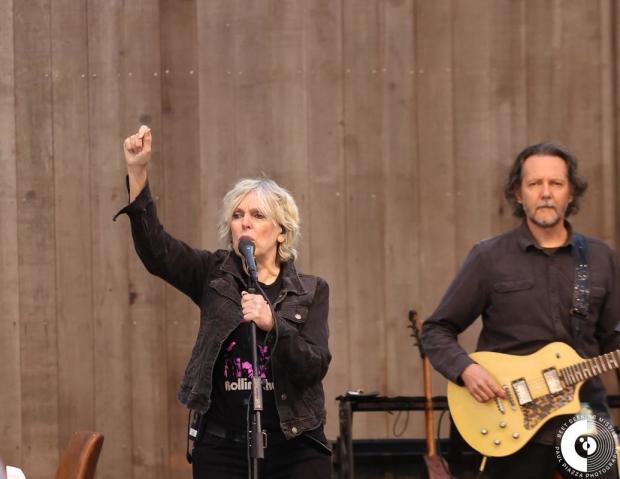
(137, 148)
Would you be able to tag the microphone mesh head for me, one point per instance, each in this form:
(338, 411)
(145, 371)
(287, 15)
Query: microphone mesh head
(247, 245)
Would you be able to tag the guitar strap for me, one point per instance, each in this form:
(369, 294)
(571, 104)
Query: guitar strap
(581, 290)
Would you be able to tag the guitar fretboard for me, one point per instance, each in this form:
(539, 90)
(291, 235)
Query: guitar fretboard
(576, 373)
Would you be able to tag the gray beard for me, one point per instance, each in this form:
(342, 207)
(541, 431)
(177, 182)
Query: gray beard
(547, 223)
(544, 223)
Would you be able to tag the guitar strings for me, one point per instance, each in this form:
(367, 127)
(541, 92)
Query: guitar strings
(538, 385)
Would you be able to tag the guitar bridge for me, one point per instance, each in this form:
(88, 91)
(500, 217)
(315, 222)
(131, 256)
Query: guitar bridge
(500, 405)
(511, 400)
(522, 392)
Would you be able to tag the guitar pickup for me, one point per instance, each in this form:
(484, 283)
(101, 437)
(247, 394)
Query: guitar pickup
(552, 379)
(522, 392)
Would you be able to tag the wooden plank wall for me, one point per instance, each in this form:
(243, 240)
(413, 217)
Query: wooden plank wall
(10, 363)
(392, 122)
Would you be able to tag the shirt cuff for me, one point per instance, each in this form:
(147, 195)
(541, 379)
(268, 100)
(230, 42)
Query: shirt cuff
(460, 364)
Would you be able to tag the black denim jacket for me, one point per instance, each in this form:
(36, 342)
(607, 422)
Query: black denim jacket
(298, 342)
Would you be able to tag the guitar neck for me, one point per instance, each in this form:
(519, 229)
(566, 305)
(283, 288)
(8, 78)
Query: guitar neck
(589, 368)
(428, 407)
(416, 331)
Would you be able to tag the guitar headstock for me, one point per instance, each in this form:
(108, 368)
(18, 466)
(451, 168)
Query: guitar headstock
(415, 324)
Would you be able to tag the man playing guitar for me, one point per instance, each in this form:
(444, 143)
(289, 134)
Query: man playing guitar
(535, 285)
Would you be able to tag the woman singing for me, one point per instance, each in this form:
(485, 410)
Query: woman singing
(292, 339)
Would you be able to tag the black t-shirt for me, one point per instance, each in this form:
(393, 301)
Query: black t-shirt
(232, 375)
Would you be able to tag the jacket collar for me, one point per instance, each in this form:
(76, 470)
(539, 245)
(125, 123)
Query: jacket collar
(290, 279)
(233, 265)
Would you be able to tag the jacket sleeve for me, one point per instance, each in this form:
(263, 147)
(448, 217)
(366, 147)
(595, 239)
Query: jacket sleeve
(305, 351)
(463, 302)
(172, 260)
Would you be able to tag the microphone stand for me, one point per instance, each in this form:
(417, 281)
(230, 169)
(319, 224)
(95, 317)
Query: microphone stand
(255, 438)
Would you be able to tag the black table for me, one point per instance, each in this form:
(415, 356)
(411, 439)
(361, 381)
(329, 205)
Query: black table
(348, 404)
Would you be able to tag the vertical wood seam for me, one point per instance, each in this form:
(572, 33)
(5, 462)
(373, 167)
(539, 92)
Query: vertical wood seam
(53, 218)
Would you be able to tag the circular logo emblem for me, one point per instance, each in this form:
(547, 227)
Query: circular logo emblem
(586, 446)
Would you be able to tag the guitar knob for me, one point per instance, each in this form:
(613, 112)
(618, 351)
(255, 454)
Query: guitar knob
(502, 424)
(484, 432)
(497, 442)
(515, 435)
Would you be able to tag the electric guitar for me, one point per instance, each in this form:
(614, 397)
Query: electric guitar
(538, 387)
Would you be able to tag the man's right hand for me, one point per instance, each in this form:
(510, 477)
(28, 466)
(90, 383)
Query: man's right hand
(480, 384)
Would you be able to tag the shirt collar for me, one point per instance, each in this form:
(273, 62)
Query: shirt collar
(526, 240)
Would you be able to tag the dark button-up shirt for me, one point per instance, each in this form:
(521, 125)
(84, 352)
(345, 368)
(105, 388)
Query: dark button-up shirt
(524, 295)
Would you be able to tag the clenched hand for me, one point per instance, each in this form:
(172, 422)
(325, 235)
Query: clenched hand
(137, 150)
(256, 309)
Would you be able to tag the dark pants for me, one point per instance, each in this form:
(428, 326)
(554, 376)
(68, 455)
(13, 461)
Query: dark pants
(534, 461)
(299, 458)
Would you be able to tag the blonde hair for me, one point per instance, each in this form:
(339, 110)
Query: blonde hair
(275, 202)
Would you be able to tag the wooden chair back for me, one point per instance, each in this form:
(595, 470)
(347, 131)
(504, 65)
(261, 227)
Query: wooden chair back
(79, 460)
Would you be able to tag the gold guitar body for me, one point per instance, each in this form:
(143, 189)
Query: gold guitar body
(536, 394)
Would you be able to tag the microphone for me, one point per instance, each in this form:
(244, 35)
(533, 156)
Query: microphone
(246, 248)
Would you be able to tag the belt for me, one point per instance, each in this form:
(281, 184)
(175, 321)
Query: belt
(272, 437)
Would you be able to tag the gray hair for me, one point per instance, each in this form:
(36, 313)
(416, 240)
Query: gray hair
(275, 202)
